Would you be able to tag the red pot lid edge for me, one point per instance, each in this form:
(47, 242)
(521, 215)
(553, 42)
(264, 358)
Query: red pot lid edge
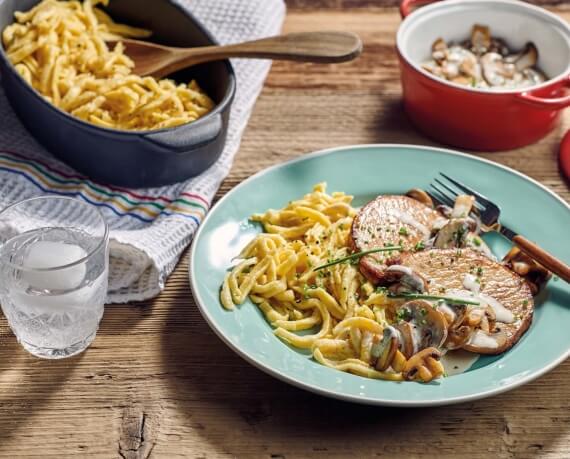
(564, 157)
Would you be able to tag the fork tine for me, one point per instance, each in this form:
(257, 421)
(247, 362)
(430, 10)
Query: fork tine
(480, 198)
(479, 205)
(442, 197)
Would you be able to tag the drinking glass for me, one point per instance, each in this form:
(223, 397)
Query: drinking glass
(54, 266)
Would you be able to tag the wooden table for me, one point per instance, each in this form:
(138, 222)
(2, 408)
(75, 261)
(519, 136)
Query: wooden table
(157, 382)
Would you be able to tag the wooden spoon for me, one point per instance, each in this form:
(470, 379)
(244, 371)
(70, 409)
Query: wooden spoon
(320, 47)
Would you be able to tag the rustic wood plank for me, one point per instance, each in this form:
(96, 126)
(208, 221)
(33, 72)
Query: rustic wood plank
(346, 4)
(158, 383)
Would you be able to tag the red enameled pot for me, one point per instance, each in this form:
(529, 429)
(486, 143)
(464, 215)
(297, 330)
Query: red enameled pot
(479, 119)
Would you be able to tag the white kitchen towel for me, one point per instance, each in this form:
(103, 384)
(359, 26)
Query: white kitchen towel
(150, 228)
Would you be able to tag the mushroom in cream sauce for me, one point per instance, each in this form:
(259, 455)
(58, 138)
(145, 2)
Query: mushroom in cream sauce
(485, 62)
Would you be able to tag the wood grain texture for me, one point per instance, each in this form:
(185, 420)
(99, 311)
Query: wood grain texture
(158, 383)
(367, 4)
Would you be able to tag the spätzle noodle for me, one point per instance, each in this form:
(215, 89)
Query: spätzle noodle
(59, 48)
(276, 270)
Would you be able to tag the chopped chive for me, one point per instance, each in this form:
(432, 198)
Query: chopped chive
(357, 256)
(419, 296)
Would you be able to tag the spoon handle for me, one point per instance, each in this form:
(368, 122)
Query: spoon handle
(321, 47)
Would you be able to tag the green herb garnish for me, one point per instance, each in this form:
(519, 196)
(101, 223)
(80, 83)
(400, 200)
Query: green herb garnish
(403, 315)
(403, 231)
(419, 246)
(458, 235)
(477, 241)
(420, 296)
(356, 256)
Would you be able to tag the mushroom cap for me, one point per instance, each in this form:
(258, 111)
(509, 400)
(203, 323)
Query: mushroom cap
(454, 233)
(423, 366)
(408, 279)
(422, 327)
(480, 39)
(420, 195)
(384, 349)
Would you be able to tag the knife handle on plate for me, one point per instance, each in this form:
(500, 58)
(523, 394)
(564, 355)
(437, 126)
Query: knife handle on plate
(553, 264)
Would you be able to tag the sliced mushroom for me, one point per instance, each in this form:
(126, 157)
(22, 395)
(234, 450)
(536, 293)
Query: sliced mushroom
(384, 348)
(450, 69)
(458, 337)
(480, 39)
(422, 326)
(457, 333)
(526, 59)
(484, 62)
(407, 344)
(424, 366)
(405, 279)
(485, 343)
(439, 49)
(495, 70)
(533, 272)
(483, 318)
(421, 196)
(499, 46)
(434, 68)
(454, 234)
(462, 80)
(462, 206)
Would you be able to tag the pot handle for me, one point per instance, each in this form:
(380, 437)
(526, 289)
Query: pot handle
(188, 136)
(406, 6)
(546, 103)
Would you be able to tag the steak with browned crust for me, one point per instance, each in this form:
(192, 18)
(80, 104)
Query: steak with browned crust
(390, 220)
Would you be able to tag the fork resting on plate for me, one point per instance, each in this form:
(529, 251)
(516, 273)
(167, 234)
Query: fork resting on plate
(444, 192)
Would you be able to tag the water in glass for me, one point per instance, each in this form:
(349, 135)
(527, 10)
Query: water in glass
(53, 313)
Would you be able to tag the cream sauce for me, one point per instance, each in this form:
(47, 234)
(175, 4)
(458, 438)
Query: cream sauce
(409, 277)
(448, 312)
(458, 361)
(471, 284)
(481, 339)
(501, 312)
(405, 217)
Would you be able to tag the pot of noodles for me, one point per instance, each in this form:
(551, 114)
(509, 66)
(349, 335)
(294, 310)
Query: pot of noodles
(483, 74)
(79, 97)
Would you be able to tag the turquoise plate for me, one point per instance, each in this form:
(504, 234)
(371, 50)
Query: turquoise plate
(365, 172)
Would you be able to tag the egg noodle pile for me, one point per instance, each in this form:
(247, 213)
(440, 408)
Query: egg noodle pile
(277, 271)
(59, 48)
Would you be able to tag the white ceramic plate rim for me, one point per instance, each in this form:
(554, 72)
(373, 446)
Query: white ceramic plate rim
(333, 394)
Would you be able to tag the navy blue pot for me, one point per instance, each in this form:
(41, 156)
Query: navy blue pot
(130, 158)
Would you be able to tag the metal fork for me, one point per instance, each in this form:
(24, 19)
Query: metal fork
(445, 191)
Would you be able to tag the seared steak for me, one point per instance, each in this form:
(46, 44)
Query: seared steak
(459, 272)
(390, 220)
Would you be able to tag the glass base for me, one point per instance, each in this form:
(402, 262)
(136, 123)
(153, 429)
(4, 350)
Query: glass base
(51, 353)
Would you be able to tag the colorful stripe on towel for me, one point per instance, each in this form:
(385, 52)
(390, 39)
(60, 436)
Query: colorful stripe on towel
(121, 201)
